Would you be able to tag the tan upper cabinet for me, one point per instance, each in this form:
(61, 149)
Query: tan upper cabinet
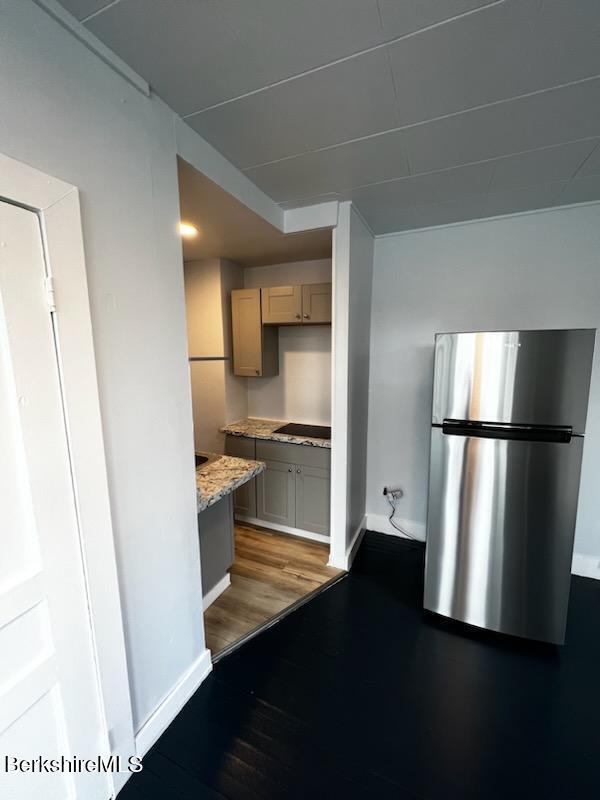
(256, 315)
(255, 348)
(316, 303)
(282, 305)
(297, 305)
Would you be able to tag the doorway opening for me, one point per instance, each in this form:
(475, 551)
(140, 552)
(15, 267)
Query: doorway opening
(259, 313)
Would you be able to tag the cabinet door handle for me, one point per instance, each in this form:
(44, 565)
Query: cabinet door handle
(298, 316)
(307, 316)
(290, 469)
(298, 471)
(257, 371)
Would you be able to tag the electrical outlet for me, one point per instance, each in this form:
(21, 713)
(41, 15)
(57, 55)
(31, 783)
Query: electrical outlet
(394, 492)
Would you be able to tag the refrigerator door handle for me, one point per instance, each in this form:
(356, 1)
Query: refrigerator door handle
(560, 434)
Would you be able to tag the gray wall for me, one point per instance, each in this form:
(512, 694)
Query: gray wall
(359, 323)
(67, 113)
(537, 270)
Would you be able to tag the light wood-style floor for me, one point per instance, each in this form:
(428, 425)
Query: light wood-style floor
(271, 571)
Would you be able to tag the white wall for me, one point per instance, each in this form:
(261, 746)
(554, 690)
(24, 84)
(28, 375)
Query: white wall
(536, 270)
(302, 390)
(218, 396)
(359, 325)
(67, 113)
(352, 282)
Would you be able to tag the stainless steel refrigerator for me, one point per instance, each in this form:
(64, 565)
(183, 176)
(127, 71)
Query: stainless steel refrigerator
(508, 424)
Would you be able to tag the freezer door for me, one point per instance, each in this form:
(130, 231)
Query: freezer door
(526, 377)
(500, 527)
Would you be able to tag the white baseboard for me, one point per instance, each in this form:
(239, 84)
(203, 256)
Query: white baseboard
(381, 524)
(345, 562)
(273, 526)
(583, 565)
(586, 566)
(172, 704)
(210, 597)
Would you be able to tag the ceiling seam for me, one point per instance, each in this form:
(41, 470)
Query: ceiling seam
(589, 155)
(454, 167)
(388, 59)
(340, 60)
(99, 11)
(419, 124)
(379, 14)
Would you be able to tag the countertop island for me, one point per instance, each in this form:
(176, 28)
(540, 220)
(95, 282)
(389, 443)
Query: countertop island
(221, 475)
(265, 429)
(216, 480)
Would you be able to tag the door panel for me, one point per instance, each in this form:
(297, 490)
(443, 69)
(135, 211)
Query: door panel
(282, 305)
(316, 303)
(276, 495)
(247, 332)
(526, 377)
(312, 499)
(49, 703)
(500, 528)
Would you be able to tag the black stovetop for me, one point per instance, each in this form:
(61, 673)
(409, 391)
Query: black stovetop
(312, 431)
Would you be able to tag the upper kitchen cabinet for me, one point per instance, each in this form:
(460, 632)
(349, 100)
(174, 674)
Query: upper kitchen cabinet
(297, 305)
(282, 305)
(255, 347)
(316, 303)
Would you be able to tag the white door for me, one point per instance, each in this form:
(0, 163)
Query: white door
(49, 704)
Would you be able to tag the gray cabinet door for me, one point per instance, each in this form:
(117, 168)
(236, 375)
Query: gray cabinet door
(312, 499)
(245, 497)
(276, 493)
(247, 332)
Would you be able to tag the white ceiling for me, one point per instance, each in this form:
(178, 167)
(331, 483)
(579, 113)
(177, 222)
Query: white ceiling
(421, 111)
(229, 229)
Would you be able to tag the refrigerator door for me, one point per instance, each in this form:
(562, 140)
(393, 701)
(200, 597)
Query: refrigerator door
(500, 528)
(526, 377)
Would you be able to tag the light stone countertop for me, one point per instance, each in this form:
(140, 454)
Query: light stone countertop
(222, 475)
(264, 429)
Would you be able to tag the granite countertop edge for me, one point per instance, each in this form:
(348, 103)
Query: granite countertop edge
(221, 477)
(264, 429)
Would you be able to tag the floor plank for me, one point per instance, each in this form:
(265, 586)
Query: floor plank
(360, 694)
(271, 571)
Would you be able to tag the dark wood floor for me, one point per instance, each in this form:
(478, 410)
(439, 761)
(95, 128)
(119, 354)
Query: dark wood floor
(358, 694)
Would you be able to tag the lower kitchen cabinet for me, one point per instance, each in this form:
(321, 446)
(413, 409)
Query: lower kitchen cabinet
(276, 494)
(294, 490)
(312, 499)
(244, 498)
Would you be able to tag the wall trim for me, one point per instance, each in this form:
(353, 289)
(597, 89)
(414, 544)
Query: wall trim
(57, 206)
(191, 147)
(586, 566)
(273, 526)
(89, 40)
(548, 210)
(352, 549)
(217, 590)
(171, 705)
(319, 215)
(380, 523)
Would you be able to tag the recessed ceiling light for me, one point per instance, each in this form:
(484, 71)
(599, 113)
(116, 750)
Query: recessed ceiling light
(188, 231)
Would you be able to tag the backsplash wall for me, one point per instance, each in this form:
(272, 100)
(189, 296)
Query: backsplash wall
(302, 390)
